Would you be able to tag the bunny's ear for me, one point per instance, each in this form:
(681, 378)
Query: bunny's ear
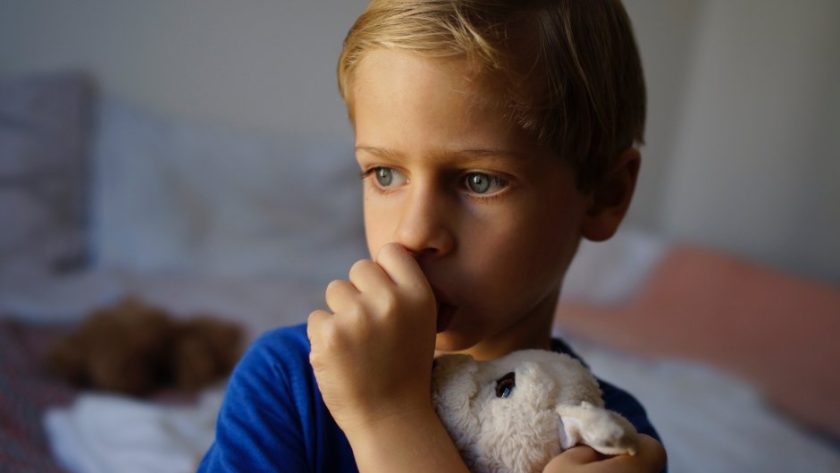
(605, 431)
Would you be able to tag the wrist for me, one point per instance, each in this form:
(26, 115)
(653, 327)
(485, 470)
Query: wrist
(380, 421)
(410, 441)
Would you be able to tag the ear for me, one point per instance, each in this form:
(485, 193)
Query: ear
(611, 197)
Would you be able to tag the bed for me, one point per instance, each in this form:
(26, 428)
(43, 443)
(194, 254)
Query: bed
(103, 199)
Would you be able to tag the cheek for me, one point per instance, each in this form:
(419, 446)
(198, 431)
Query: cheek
(556, 228)
(379, 223)
(531, 250)
(553, 245)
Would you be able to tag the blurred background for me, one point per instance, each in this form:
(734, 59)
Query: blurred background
(197, 154)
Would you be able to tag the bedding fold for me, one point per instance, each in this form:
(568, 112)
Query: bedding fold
(103, 433)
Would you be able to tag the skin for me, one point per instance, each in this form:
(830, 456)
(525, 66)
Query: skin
(459, 207)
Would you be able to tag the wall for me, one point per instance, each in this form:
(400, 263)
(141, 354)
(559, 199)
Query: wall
(257, 64)
(666, 31)
(755, 165)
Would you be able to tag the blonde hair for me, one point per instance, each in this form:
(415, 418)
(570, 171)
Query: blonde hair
(566, 71)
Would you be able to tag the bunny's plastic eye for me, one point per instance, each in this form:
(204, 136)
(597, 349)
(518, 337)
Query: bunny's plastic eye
(505, 385)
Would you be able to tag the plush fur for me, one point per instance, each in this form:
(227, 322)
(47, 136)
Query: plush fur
(135, 348)
(515, 413)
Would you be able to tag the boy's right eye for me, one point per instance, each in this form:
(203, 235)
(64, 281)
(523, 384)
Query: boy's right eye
(387, 177)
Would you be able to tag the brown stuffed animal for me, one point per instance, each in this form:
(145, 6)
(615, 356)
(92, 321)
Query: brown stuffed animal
(204, 350)
(135, 348)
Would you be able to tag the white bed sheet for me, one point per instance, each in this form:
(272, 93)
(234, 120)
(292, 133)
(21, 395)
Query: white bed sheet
(101, 433)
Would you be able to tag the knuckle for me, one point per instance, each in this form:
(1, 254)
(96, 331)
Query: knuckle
(337, 290)
(389, 302)
(389, 251)
(316, 323)
(418, 295)
(334, 286)
(359, 267)
(363, 328)
(388, 247)
(330, 338)
(355, 311)
(313, 322)
(314, 316)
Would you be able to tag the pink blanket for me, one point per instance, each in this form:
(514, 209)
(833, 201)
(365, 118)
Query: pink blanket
(776, 331)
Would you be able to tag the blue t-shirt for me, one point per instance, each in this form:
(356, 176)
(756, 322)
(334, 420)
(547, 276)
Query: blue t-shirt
(273, 418)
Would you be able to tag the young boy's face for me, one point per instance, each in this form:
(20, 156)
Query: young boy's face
(492, 217)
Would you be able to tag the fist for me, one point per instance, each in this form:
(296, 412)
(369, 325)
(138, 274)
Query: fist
(649, 458)
(372, 351)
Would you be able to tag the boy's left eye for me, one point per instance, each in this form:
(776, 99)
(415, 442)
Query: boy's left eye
(481, 183)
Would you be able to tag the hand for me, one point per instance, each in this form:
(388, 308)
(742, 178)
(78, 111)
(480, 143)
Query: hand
(650, 458)
(372, 355)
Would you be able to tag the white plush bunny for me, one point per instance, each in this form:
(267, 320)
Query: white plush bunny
(515, 413)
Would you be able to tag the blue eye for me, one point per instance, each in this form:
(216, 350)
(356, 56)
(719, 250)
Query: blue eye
(481, 183)
(384, 176)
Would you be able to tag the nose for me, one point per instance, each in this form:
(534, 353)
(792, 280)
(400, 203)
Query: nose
(424, 225)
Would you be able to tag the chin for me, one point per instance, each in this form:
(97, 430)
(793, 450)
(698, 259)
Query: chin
(451, 340)
(447, 342)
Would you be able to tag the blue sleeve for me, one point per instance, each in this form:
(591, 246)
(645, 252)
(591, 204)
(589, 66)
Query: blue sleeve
(259, 427)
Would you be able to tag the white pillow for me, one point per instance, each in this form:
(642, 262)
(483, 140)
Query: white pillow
(188, 198)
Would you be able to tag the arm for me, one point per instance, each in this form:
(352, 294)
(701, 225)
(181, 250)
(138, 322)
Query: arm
(256, 428)
(650, 458)
(413, 442)
(372, 356)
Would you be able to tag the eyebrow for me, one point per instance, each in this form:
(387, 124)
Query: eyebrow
(468, 153)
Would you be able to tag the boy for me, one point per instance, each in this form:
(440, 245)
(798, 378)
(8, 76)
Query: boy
(491, 135)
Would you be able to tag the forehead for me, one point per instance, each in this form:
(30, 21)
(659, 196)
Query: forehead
(409, 72)
(402, 99)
